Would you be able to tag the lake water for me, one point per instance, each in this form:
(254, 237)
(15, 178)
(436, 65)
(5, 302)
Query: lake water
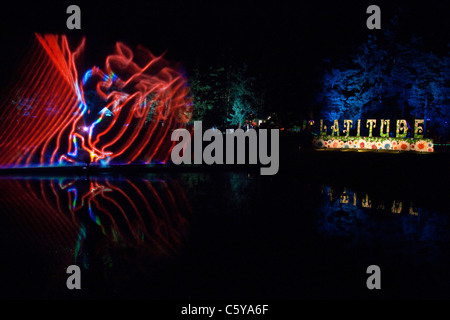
(309, 232)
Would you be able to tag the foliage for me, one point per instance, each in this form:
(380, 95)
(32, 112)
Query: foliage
(388, 79)
(208, 93)
(224, 96)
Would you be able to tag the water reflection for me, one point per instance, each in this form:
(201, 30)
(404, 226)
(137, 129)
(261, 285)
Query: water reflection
(251, 236)
(85, 221)
(346, 212)
(346, 197)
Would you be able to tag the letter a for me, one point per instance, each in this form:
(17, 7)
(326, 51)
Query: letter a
(374, 281)
(74, 21)
(74, 281)
(374, 21)
(184, 145)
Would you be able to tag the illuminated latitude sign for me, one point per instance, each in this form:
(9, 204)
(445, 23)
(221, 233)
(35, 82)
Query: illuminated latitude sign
(385, 141)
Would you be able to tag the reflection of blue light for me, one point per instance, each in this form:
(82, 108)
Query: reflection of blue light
(93, 217)
(74, 202)
(81, 237)
(91, 214)
(86, 76)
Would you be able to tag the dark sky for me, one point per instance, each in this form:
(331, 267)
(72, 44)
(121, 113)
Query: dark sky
(283, 42)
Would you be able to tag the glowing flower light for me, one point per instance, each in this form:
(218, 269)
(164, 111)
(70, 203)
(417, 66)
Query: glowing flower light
(387, 144)
(421, 145)
(335, 144)
(403, 145)
(319, 143)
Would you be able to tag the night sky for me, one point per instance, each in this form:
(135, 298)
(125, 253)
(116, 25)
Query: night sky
(284, 43)
(247, 235)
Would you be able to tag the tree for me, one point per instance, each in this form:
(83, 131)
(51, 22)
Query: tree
(208, 91)
(427, 92)
(224, 95)
(385, 78)
(354, 89)
(242, 96)
(335, 93)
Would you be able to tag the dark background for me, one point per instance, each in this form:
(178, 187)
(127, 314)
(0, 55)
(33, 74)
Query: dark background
(235, 244)
(283, 42)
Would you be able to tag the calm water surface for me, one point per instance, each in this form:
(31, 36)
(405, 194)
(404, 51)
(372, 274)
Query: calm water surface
(223, 234)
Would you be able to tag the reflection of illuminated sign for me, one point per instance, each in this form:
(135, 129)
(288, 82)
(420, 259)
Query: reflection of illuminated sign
(347, 197)
(366, 202)
(330, 193)
(413, 211)
(397, 207)
(344, 197)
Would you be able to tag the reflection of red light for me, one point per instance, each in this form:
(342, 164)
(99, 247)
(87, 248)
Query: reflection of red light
(146, 97)
(50, 216)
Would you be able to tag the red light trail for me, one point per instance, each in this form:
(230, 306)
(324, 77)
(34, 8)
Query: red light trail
(120, 115)
(61, 213)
